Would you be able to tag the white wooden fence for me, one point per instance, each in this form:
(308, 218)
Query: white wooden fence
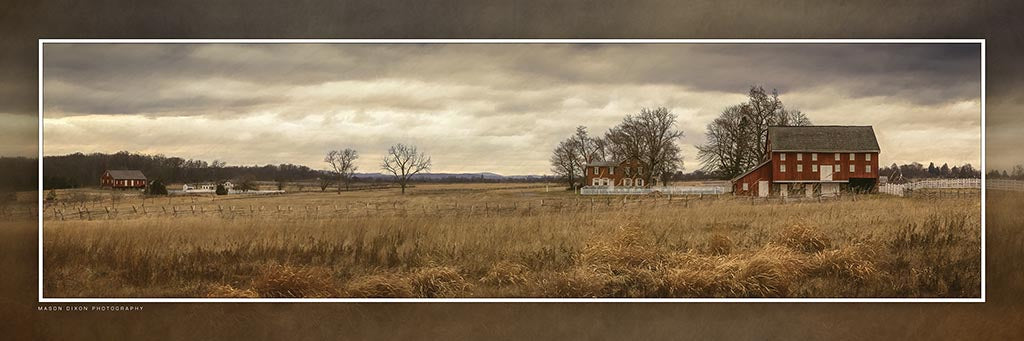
(1005, 185)
(901, 189)
(677, 190)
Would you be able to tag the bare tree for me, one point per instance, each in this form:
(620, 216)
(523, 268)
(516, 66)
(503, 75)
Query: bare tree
(404, 162)
(727, 151)
(343, 164)
(650, 138)
(565, 161)
(325, 182)
(736, 140)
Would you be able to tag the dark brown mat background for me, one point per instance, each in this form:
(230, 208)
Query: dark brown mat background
(21, 24)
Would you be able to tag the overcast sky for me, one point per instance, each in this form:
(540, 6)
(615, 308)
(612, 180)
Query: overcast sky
(498, 108)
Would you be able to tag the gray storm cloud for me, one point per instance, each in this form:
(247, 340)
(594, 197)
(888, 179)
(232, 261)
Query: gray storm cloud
(476, 107)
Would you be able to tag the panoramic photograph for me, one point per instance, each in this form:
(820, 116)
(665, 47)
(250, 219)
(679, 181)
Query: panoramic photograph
(512, 170)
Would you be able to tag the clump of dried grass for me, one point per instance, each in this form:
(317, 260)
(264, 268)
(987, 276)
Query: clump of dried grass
(719, 244)
(379, 286)
(228, 291)
(625, 249)
(849, 263)
(294, 281)
(438, 282)
(803, 237)
(772, 271)
(578, 282)
(506, 273)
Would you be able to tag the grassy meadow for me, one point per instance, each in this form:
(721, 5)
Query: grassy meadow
(509, 240)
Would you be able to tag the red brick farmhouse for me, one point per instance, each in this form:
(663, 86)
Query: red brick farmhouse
(813, 160)
(123, 179)
(614, 174)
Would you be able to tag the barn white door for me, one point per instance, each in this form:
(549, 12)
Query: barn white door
(762, 188)
(826, 172)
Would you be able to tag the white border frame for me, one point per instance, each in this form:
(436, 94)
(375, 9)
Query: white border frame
(509, 41)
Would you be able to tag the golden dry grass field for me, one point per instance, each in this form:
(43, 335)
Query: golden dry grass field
(509, 240)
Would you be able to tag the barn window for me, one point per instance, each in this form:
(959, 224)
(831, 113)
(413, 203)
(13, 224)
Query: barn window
(799, 156)
(867, 168)
(852, 169)
(799, 168)
(745, 187)
(782, 156)
(867, 157)
(814, 156)
(639, 182)
(782, 168)
(627, 182)
(853, 156)
(814, 168)
(611, 170)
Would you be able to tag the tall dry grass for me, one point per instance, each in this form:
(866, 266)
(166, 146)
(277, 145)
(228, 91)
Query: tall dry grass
(876, 246)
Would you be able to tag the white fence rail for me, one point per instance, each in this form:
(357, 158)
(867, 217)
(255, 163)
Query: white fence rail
(678, 190)
(231, 192)
(901, 189)
(1005, 185)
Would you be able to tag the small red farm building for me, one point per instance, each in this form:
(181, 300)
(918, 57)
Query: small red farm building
(813, 160)
(118, 179)
(614, 174)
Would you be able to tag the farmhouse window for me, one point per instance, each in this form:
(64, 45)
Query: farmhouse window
(799, 156)
(837, 158)
(611, 170)
(838, 168)
(597, 170)
(853, 156)
(782, 168)
(814, 156)
(627, 182)
(782, 156)
(852, 168)
(745, 186)
(596, 182)
(867, 157)
(639, 182)
(799, 168)
(867, 168)
(814, 168)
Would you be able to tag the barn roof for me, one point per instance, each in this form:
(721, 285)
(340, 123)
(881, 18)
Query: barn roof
(823, 138)
(127, 174)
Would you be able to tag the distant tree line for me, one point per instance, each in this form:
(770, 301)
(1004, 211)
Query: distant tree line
(1016, 173)
(19, 174)
(916, 170)
(84, 170)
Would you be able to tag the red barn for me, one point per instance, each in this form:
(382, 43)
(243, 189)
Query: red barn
(813, 160)
(118, 179)
(623, 174)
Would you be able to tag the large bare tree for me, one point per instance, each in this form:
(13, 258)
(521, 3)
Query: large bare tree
(736, 140)
(343, 165)
(565, 161)
(403, 162)
(650, 138)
